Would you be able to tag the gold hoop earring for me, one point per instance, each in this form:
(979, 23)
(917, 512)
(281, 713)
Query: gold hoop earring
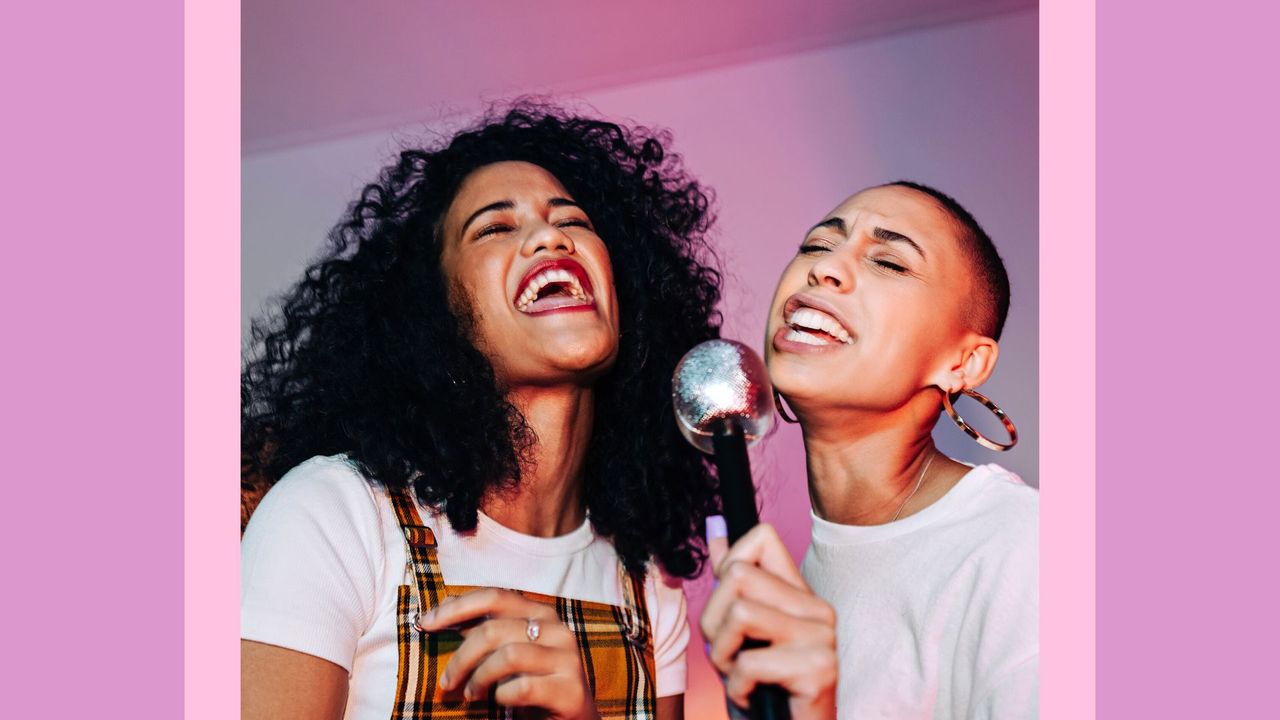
(948, 398)
(782, 409)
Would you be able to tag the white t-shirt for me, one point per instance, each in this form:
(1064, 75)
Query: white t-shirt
(323, 556)
(938, 614)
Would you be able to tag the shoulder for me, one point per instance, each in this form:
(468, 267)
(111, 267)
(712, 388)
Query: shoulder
(324, 492)
(664, 594)
(320, 484)
(670, 630)
(1005, 501)
(1003, 640)
(313, 562)
(996, 522)
(323, 475)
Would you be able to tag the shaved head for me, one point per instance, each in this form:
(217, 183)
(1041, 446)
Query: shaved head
(989, 306)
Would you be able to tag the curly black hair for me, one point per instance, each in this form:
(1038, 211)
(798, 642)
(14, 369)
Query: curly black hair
(365, 357)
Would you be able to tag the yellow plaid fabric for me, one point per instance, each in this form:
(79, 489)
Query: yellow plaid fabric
(616, 642)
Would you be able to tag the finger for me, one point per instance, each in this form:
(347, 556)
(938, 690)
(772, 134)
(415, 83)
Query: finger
(517, 659)
(807, 675)
(487, 637)
(764, 547)
(561, 695)
(743, 580)
(717, 540)
(748, 619)
(457, 610)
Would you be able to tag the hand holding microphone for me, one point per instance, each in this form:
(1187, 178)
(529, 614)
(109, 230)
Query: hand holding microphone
(770, 637)
(762, 595)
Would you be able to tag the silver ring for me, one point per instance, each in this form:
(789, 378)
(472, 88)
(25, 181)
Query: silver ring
(533, 629)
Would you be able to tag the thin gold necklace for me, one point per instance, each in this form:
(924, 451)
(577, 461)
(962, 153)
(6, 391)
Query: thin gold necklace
(919, 482)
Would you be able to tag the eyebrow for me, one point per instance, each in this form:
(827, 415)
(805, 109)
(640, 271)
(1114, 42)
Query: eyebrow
(500, 205)
(879, 233)
(563, 202)
(834, 223)
(884, 235)
(554, 202)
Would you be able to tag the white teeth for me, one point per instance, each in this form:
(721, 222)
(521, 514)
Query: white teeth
(545, 278)
(805, 338)
(811, 319)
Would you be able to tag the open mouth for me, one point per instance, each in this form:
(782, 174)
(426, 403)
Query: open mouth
(811, 326)
(554, 285)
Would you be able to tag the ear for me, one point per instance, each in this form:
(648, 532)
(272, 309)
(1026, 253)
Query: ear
(970, 365)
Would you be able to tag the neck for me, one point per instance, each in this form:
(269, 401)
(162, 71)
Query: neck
(865, 468)
(548, 501)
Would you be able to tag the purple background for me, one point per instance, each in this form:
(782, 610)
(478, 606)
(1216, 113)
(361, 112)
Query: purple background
(91, 320)
(1187, 256)
(781, 140)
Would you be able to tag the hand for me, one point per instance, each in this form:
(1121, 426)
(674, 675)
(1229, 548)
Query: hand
(762, 595)
(546, 673)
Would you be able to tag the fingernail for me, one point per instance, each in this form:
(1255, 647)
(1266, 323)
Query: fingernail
(444, 679)
(466, 693)
(716, 527)
(424, 619)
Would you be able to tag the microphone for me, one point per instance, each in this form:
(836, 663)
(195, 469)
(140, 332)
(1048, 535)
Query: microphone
(723, 402)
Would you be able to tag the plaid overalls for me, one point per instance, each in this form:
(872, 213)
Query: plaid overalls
(616, 642)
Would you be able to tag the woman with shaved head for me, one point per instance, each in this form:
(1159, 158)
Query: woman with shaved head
(918, 596)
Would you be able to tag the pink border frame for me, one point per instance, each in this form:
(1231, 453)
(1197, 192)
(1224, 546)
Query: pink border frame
(1067, 349)
(211, 344)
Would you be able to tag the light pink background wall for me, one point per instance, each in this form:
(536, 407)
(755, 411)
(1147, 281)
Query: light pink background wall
(782, 141)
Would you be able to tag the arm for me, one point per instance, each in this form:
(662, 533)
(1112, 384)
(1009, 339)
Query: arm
(762, 595)
(669, 624)
(281, 684)
(309, 566)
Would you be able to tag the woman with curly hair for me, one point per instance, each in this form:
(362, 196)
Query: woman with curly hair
(466, 404)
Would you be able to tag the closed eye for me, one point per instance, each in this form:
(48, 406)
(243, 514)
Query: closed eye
(574, 222)
(493, 229)
(892, 266)
(810, 247)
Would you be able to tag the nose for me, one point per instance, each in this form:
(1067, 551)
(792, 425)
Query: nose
(831, 271)
(547, 237)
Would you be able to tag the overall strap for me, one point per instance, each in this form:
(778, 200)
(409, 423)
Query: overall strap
(417, 672)
(421, 545)
(638, 649)
(636, 624)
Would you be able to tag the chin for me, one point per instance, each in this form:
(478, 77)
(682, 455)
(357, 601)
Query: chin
(794, 388)
(811, 381)
(818, 393)
(582, 356)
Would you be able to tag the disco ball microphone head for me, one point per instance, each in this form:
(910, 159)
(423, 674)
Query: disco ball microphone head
(723, 402)
(721, 383)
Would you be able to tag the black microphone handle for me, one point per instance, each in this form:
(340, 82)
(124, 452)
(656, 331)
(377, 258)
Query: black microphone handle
(738, 497)
(737, 492)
